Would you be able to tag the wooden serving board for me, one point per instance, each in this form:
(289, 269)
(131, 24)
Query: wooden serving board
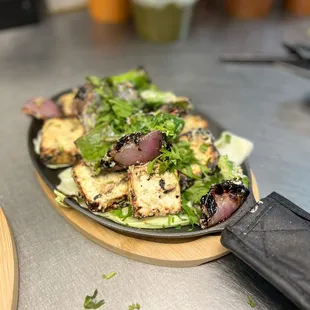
(179, 253)
(8, 267)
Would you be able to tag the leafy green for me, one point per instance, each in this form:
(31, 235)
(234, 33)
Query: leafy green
(134, 307)
(168, 124)
(94, 80)
(59, 198)
(155, 222)
(251, 302)
(154, 99)
(230, 171)
(201, 188)
(123, 214)
(95, 144)
(91, 303)
(138, 77)
(190, 211)
(177, 157)
(109, 275)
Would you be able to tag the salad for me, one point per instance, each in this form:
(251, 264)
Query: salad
(139, 156)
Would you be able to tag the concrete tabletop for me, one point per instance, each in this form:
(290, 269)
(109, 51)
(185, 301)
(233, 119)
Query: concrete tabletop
(59, 266)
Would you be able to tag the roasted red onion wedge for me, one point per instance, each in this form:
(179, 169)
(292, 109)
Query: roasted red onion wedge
(137, 148)
(41, 108)
(221, 202)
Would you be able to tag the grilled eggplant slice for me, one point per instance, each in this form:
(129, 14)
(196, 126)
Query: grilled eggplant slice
(103, 192)
(154, 194)
(202, 143)
(57, 141)
(221, 202)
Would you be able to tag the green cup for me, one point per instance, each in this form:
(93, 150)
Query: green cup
(162, 24)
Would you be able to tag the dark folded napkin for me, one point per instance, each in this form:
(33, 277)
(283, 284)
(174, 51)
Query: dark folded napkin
(274, 239)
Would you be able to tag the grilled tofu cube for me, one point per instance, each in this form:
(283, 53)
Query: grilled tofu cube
(66, 103)
(102, 192)
(57, 142)
(194, 122)
(202, 143)
(154, 194)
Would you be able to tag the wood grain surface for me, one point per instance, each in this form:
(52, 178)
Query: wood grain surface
(180, 253)
(8, 267)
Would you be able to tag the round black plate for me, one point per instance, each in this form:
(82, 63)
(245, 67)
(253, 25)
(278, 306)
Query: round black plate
(51, 178)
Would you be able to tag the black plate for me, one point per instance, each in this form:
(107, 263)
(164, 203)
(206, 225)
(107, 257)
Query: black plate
(51, 179)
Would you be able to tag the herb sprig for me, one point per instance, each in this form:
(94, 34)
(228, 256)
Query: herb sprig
(91, 303)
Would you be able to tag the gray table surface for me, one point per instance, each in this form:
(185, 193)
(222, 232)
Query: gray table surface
(58, 266)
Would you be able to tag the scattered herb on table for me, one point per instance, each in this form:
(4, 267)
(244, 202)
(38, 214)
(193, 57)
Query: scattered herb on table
(91, 303)
(134, 306)
(109, 275)
(251, 302)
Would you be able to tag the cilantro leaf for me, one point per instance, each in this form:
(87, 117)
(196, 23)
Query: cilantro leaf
(109, 275)
(177, 157)
(134, 307)
(251, 302)
(168, 124)
(91, 303)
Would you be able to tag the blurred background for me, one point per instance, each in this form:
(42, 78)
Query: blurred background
(158, 21)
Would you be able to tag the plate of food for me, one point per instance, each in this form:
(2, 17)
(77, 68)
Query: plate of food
(139, 160)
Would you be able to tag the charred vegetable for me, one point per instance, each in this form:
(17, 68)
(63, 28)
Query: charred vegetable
(221, 202)
(136, 148)
(41, 108)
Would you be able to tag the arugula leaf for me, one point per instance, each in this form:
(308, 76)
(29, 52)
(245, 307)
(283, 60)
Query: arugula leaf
(134, 307)
(251, 302)
(91, 303)
(109, 275)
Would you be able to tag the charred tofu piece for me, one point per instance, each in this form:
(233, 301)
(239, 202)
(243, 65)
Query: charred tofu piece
(102, 192)
(154, 194)
(66, 103)
(192, 122)
(202, 143)
(57, 142)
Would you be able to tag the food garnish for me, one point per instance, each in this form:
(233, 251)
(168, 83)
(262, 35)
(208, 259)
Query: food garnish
(109, 275)
(134, 306)
(91, 303)
(251, 302)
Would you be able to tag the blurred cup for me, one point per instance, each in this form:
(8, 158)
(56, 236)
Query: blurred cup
(163, 21)
(248, 9)
(109, 11)
(298, 7)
